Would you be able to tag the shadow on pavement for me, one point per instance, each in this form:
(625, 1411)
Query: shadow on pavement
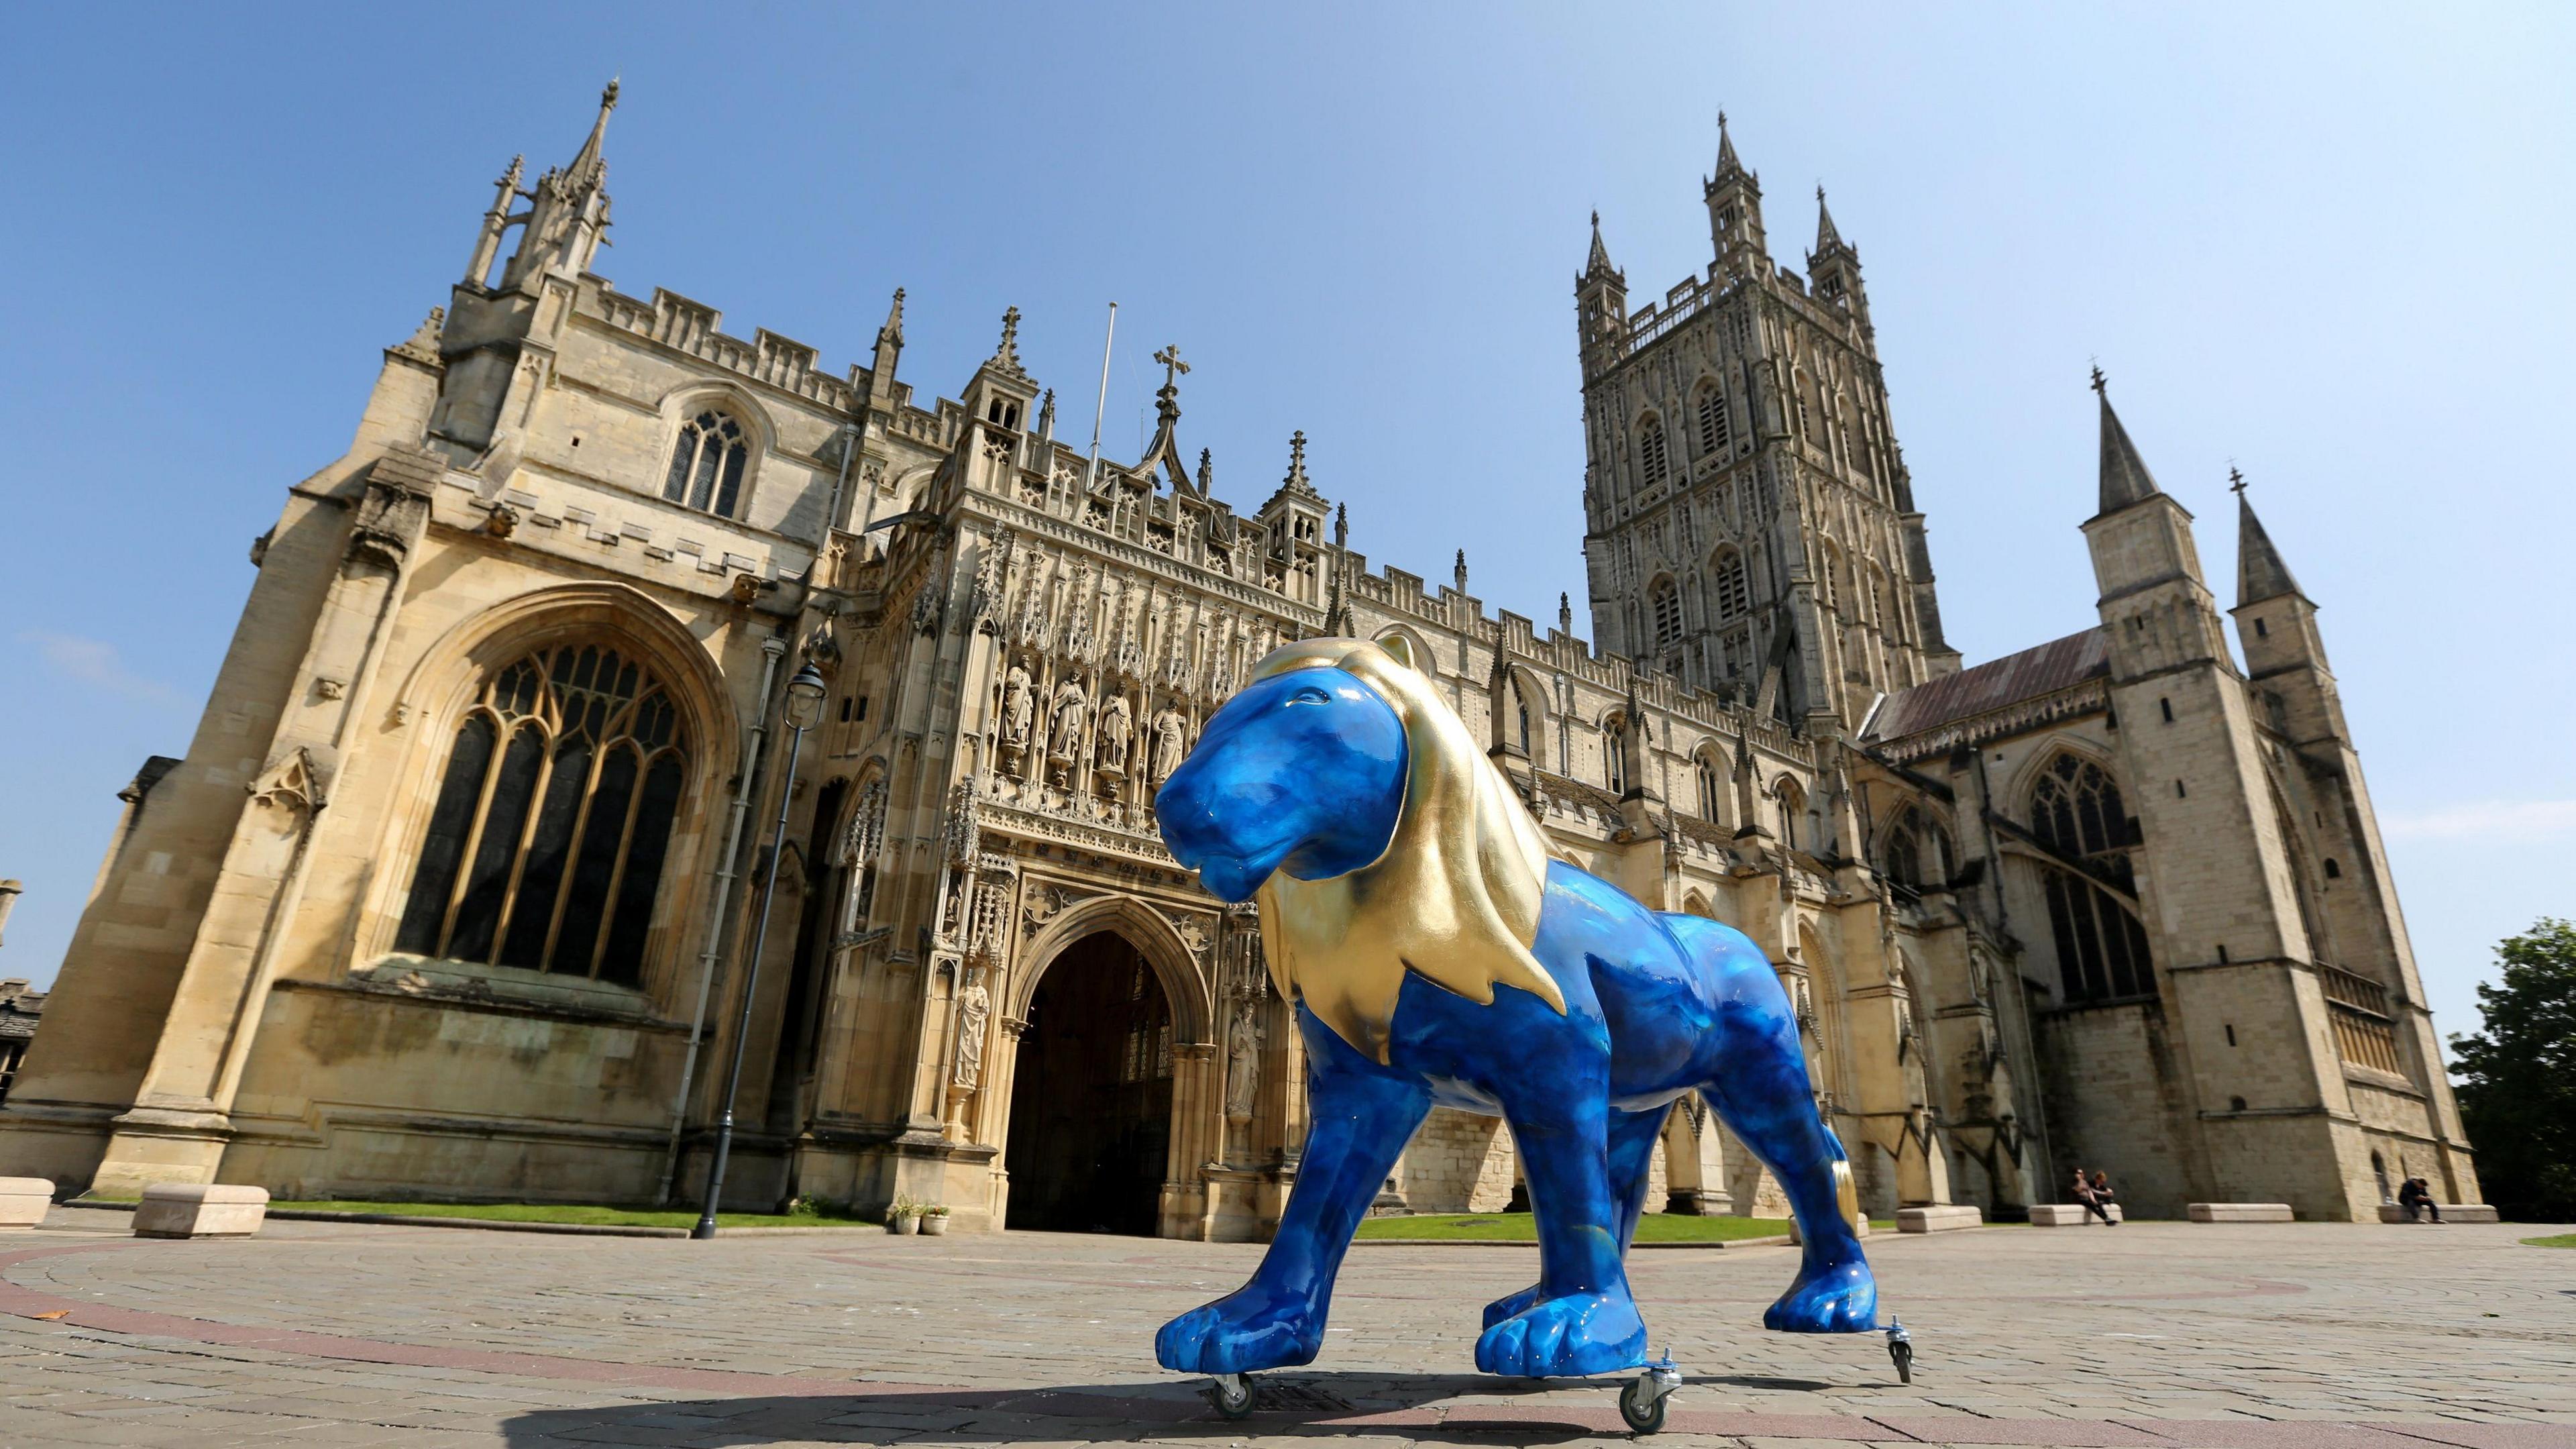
(1290, 1403)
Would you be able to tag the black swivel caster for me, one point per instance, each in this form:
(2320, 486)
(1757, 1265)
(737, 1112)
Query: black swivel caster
(1231, 1394)
(1900, 1350)
(1641, 1403)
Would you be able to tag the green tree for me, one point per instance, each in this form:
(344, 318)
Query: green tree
(2517, 1086)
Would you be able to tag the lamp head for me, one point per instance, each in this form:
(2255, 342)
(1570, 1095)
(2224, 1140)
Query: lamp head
(805, 697)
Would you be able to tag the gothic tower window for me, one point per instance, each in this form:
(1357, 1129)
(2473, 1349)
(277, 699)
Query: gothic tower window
(2101, 949)
(1714, 433)
(707, 464)
(1726, 572)
(1665, 600)
(1654, 459)
(546, 844)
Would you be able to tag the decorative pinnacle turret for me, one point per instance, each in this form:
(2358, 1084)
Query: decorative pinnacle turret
(1564, 614)
(1006, 354)
(891, 334)
(1462, 571)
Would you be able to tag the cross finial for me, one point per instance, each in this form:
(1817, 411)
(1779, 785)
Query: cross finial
(2100, 383)
(2235, 481)
(1173, 367)
(1721, 118)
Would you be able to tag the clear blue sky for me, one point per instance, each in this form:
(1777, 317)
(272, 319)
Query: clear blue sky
(2326, 242)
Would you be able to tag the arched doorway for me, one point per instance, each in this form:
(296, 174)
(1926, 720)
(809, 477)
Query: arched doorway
(1091, 1102)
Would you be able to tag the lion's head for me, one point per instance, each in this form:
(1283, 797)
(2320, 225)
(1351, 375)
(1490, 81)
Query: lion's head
(1342, 791)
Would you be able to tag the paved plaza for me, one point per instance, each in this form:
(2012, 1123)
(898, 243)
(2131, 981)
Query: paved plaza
(2152, 1334)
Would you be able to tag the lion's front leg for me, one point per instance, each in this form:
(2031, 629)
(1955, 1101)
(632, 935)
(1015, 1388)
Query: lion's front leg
(1363, 1114)
(1583, 1320)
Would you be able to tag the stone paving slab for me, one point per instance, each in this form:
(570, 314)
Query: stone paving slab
(2162, 1336)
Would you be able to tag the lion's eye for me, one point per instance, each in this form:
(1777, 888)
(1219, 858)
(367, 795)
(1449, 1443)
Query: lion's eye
(1310, 695)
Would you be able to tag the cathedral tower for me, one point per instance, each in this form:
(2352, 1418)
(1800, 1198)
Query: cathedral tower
(1751, 526)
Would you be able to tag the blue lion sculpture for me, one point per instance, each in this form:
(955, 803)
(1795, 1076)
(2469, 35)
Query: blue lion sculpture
(1436, 955)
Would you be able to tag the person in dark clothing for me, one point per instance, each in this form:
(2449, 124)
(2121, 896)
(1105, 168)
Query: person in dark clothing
(2101, 1198)
(2085, 1194)
(2416, 1196)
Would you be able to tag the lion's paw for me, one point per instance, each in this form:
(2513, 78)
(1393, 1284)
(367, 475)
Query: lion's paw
(1840, 1298)
(1239, 1333)
(1510, 1305)
(1582, 1333)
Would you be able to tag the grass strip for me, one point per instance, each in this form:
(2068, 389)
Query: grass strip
(579, 1214)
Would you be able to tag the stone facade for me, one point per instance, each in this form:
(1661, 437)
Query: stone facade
(453, 892)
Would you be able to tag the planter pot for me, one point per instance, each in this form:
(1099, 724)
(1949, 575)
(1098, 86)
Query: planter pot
(905, 1224)
(933, 1227)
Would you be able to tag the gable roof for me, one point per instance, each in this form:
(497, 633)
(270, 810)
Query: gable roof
(2059, 664)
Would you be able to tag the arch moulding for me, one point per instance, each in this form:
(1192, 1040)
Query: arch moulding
(1140, 926)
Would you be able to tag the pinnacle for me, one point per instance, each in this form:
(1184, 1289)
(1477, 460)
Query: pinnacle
(2125, 479)
(2260, 572)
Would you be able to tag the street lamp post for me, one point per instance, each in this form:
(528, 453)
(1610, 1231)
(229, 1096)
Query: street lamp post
(804, 708)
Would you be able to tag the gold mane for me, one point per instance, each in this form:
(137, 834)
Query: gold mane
(1455, 896)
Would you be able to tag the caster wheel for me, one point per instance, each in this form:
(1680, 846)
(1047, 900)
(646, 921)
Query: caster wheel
(1641, 1404)
(1902, 1353)
(1231, 1394)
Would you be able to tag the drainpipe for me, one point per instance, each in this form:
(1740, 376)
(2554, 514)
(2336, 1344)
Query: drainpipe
(772, 649)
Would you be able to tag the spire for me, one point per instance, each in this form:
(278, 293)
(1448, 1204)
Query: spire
(1006, 353)
(590, 161)
(1726, 161)
(2260, 573)
(1296, 482)
(1598, 263)
(1826, 237)
(2125, 479)
(891, 334)
(1337, 617)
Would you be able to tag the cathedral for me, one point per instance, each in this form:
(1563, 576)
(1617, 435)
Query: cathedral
(502, 837)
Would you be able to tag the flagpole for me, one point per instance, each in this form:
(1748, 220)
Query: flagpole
(1100, 409)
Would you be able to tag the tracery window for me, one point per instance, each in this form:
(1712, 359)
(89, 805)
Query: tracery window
(1917, 854)
(546, 844)
(2101, 949)
(1711, 784)
(1727, 574)
(1665, 599)
(1793, 808)
(707, 464)
(1654, 458)
(1614, 753)
(1520, 708)
(1715, 434)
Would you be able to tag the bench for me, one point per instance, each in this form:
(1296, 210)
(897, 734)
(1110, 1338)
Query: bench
(2069, 1214)
(23, 1201)
(2452, 1212)
(2240, 1212)
(200, 1210)
(1938, 1218)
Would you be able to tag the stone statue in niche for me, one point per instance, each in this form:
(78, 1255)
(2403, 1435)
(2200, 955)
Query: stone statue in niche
(1072, 713)
(1242, 1065)
(1114, 730)
(1171, 740)
(1018, 706)
(974, 1008)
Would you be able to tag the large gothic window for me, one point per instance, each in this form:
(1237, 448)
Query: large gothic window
(1665, 600)
(1654, 458)
(1917, 854)
(707, 464)
(2101, 949)
(545, 847)
(1714, 432)
(1726, 571)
